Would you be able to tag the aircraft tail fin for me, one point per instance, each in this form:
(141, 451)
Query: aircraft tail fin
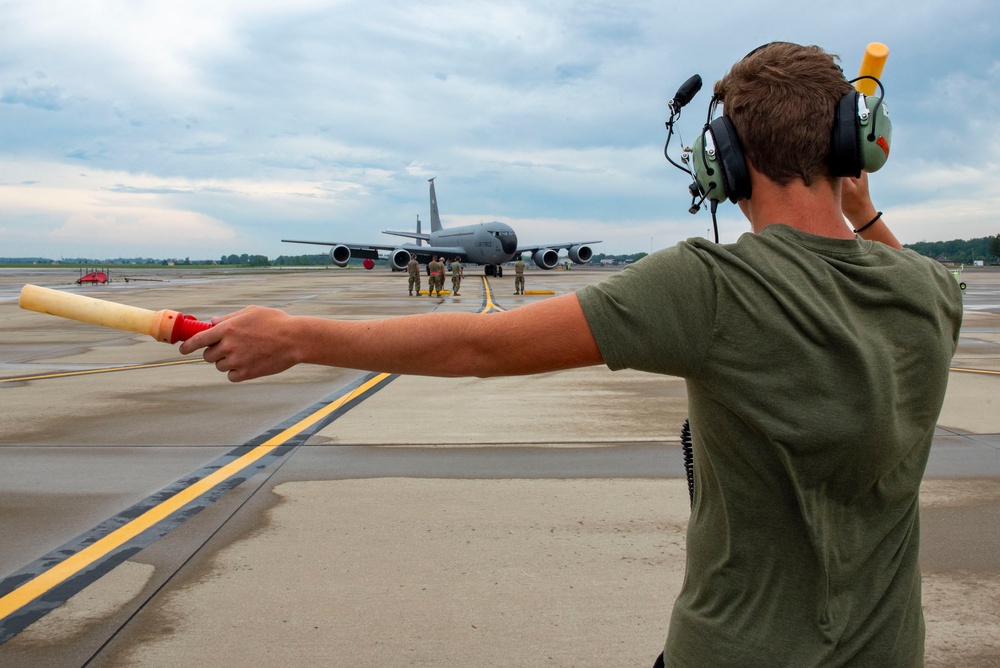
(435, 217)
(420, 242)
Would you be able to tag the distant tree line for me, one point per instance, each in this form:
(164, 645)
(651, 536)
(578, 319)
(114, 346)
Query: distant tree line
(598, 258)
(301, 260)
(964, 251)
(245, 260)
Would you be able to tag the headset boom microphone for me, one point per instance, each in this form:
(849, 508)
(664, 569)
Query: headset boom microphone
(685, 93)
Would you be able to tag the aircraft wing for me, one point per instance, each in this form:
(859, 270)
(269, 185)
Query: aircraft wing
(364, 251)
(371, 251)
(562, 246)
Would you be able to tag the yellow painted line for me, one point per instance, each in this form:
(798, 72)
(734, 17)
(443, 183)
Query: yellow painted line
(490, 304)
(64, 374)
(312, 419)
(66, 569)
(985, 371)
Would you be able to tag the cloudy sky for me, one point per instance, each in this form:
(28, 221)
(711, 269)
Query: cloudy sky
(197, 129)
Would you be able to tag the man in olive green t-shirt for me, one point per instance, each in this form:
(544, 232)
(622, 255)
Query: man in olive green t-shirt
(814, 384)
(815, 353)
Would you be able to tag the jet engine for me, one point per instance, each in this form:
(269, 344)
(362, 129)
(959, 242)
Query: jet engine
(398, 259)
(340, 255)
(545, 258)
(581, 254)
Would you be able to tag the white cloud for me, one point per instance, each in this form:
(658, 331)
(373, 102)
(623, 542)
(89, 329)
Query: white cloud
(946, 219)
(158, 228)
(311, 117)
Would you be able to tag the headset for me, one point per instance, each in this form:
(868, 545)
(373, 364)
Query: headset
(859, 140)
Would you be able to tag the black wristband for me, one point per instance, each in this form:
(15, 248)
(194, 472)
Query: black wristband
(870, 223)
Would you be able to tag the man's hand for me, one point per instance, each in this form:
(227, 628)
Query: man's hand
(856, 205)
(248, 344)
(856, 201)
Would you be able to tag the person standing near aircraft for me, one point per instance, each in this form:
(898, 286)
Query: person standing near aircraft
(457, 274)
(435, 269)
(519, 277)
(816, 354)
(413, 269)
(442, 269)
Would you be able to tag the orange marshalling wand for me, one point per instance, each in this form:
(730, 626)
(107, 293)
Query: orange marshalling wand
(166, 326)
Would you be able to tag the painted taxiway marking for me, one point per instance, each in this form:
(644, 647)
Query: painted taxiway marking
(64, 374)
(374, 381)
(69, 567)
(488, 304)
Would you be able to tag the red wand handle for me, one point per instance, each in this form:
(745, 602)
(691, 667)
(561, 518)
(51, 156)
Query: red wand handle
(186, 327)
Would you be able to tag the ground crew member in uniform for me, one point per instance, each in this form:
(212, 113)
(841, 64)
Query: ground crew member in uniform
(519, 277)
(413, 269)
(434, 282)
(442, 270)
(457, 274)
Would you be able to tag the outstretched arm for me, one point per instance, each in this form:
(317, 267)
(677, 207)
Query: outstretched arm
(856, 204)
(545, 336)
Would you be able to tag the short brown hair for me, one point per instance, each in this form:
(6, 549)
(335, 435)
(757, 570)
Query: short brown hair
(781, 99)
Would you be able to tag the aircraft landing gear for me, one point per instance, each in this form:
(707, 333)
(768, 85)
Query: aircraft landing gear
(494, 270)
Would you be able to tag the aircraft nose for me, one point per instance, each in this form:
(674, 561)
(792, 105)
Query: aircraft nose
(509, 243)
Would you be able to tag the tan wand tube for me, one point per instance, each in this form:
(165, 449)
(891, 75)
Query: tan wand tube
(166, 326)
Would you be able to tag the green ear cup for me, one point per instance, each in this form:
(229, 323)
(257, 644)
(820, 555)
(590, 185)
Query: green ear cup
(876, 135)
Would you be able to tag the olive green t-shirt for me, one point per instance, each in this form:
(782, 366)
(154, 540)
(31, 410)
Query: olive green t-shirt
(815, 369)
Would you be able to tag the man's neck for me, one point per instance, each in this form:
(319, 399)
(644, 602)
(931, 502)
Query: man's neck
(814, 209)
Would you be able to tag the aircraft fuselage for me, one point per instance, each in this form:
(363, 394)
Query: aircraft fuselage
(485, 243)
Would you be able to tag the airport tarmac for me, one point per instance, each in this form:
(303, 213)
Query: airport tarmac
(361, 520)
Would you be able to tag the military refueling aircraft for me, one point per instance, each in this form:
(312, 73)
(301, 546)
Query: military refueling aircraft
(488, 244)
